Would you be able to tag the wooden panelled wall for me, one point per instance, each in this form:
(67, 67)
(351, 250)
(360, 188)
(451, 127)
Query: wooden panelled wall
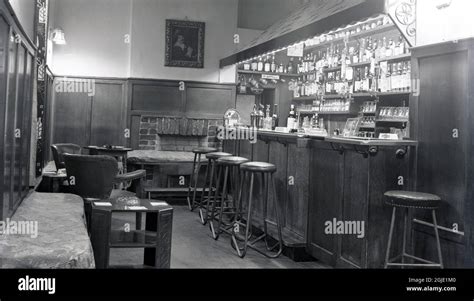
(117, 105)
(445, 131)
(17, 58)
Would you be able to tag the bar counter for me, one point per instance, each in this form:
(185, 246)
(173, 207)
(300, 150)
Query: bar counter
(322, 180)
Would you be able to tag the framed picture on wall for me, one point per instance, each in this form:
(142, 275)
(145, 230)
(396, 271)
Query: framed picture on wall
(184, 44)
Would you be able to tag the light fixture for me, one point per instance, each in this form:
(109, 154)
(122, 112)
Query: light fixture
(57, 36)
(442, 4)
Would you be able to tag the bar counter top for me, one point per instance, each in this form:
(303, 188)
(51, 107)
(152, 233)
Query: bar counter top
(334, 139)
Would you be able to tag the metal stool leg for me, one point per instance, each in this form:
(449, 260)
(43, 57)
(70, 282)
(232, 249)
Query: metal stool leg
(209, 194)
(238, 215)
(204, 187)
(210, 212)
(215, 233)
(392, 223)
(249, 215)
(190, 204)
(196, 177)
(265, 208)
(405, 225)
(248, 224)
(265, 235)
(278, 218)
(438, 244)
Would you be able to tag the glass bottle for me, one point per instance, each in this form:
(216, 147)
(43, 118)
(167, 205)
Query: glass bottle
(260, 64)
(254, 65)
(267, 65)
(273, 65)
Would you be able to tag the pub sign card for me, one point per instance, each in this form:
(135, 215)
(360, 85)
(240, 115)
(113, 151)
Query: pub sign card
(184, 44)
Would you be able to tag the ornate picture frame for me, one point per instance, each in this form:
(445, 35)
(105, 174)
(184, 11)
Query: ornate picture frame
(184, 44)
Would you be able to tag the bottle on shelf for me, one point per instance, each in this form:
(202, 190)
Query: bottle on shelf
(260, 64)
(291, 120)
(290, 67)
(281, 69)
(260, 116)
(267, 122)
(388, 77)
(267, 65)
(400, 49)
(253, 117)
(247, 66)
(273, 65)
(275, 117)
(254, 65)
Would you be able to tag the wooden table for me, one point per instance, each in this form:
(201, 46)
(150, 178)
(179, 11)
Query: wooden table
(52, 181)
(118, 152)
(155, 239)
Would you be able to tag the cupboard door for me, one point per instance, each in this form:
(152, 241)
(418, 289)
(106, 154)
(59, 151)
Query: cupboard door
(9, 127)
(71, 118)
(354, 209)
(298, 193)
(19, 134)
(326, 192)
(26, 137)
(108, 115)
(443, 149)
(4, 36)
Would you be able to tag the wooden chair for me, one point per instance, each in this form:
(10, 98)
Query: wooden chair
(93, 178)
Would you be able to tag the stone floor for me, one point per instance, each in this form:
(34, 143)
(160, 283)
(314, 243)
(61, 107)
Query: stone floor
(194, 247)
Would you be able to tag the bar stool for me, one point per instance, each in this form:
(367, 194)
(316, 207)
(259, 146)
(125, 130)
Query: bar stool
(211, 178)
(267, 171)
(411, 200)
(198, 152)
(229, 166)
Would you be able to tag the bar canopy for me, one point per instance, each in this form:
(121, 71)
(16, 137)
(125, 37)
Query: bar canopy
(311, 19)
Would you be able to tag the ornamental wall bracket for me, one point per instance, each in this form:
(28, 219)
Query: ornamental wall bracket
(403, 15)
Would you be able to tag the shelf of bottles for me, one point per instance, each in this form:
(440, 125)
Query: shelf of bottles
(369, 59)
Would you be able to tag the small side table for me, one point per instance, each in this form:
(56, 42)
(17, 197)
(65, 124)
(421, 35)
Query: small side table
(52, 181)
(155, 239)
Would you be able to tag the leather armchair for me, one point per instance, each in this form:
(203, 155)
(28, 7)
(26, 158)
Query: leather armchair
(59, 149)
(93, 178)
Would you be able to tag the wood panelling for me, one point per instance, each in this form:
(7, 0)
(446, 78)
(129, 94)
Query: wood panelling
(118, 104)
(296, 207)
(445, 155)
(16, 61)
(349, 187)
(325, 202)
(163, 97)
(86, 119)
(71, 119)
(108, 115)
(211, 101)
(291, 160)
(4, 35)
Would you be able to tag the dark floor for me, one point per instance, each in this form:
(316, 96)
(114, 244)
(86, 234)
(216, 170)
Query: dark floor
(194, 247)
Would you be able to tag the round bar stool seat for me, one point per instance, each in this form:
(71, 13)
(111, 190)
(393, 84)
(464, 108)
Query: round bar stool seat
(411, 200)
(193, 185)
(217, 155)
(258, 167)
(204, 150)
(232, 160)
